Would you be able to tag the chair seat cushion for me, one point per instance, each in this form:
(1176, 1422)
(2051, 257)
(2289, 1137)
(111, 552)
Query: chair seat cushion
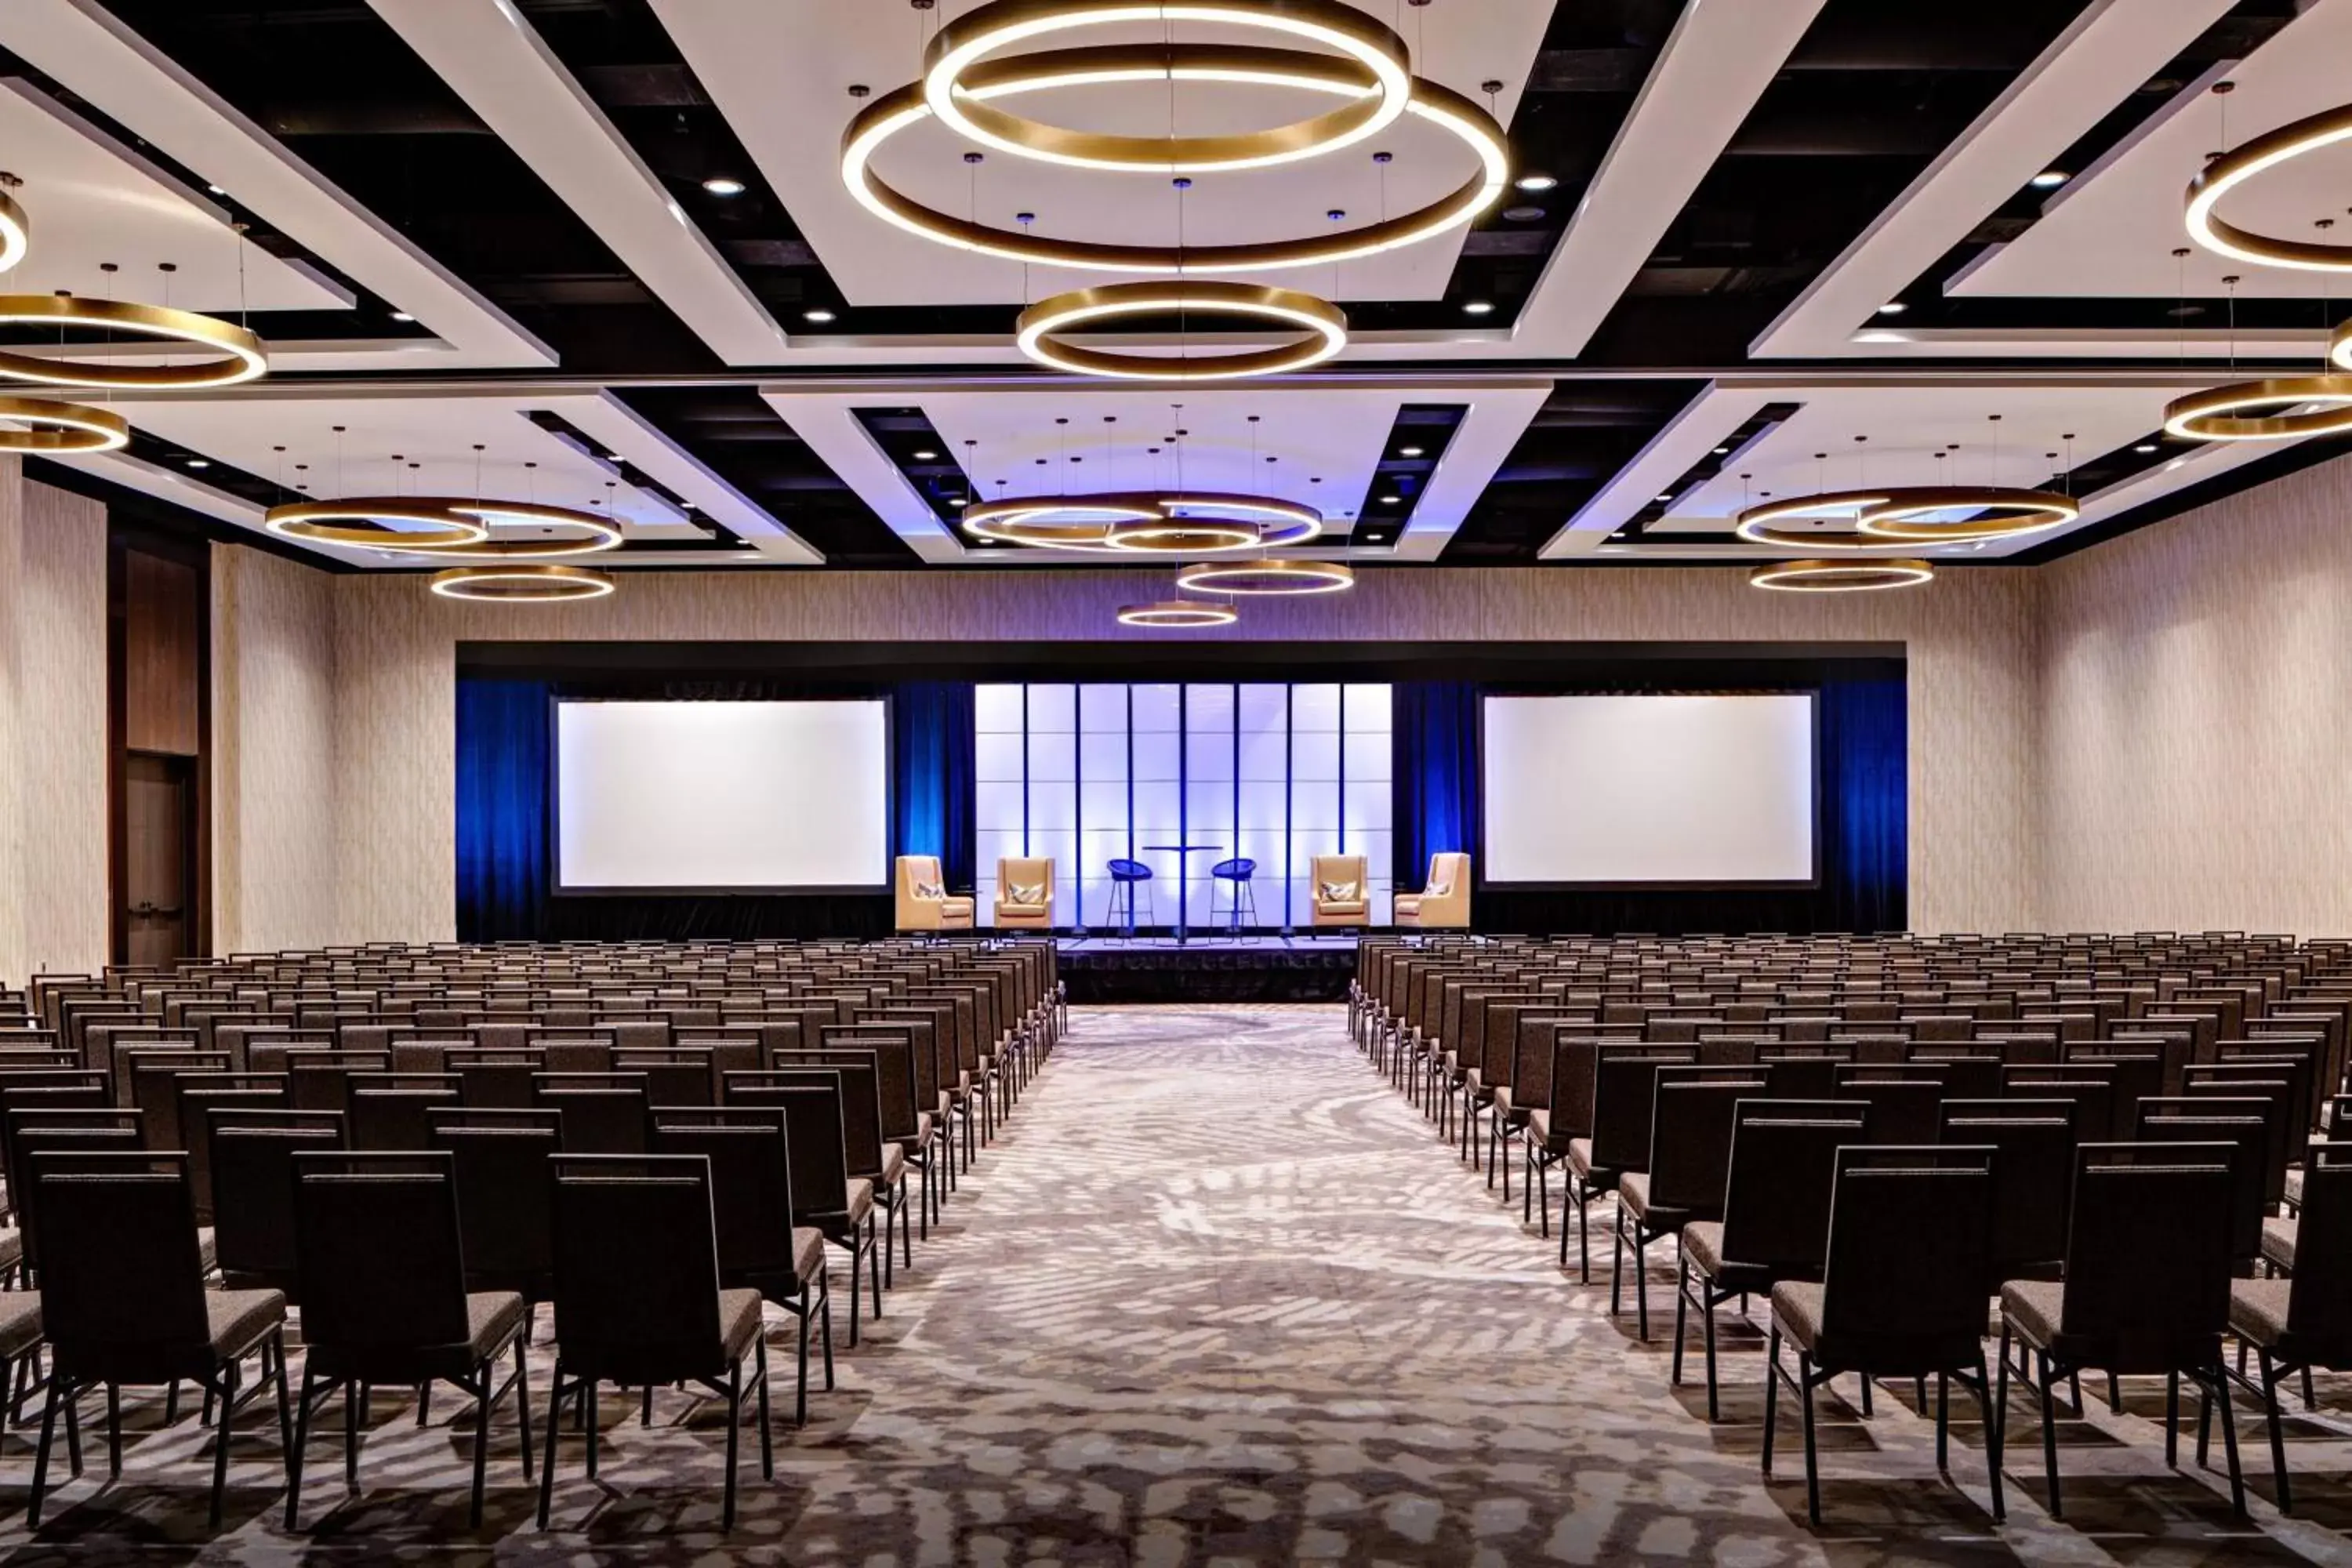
(1005, 908)
(1340, 906)
(1408, 904)
(236, 1319)
(2034, 1307)
(739, 1321)
(955, 907)
(1796, 1307)
(1539, 1123)
(12, 1248)
(1633, 1193)
(20, 1322)
(861, 1201)
(2278, 1242)
(1703, 1245)
(808, 1253)
(1579, 1157)
(2258, 1310)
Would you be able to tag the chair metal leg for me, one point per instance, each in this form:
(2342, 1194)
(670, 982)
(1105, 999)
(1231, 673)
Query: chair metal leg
(767, 1437)
(485, 1376)
(1771, 1393)
(522, 1397)
(547, 1462)
(734, 1443)
(294, 1454)
(41, 1453)
(220, 1438)
(1812, 1458)
(1991, 1436)
(2278, 1440)
(2049, 1436)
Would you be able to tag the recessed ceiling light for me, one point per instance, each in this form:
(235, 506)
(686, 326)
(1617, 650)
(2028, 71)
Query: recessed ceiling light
(720, 185)
(1893, 308)
(957, 500)
(199, 463)
(1665, 499)
(615, 458)
(1390, 500)
(1720, 451)
(924, 456)
(1537, 182)
(1477, 307)
(2048, 180)
(2145, 447)
(402, 316)
(1408, 451)
(819, 316)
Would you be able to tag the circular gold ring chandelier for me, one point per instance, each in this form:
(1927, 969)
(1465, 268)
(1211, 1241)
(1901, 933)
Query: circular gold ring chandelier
(600, 532)
(1266, 578)
(362, 521)
(1181, 522)
(1840, 577)
(2233, 413)
(2013, 513)
(1041, 326)
(58, 428)
(2234, 169)
(16, 232)
(1176, 615)
(242, 357)
(1376, 70)
(2339, 347)
(1755, 524)
(522, 584)
(1447, 109)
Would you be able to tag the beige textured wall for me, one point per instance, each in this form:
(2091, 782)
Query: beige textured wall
(275, 871)
(2195, 719)
(1971, 643)
(53, 722)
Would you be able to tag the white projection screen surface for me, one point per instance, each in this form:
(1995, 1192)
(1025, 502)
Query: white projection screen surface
(1666, 790)
(722, 797)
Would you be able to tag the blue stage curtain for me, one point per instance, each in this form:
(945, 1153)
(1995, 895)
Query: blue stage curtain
(931, 776)
(1434, 736)
(502, 800)
(1866, 802)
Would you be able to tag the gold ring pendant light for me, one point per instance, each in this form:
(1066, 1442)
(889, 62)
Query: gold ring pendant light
(1841, 576)
(1176, 615)
(1042, 329)
(1268, 579)
(2227, 173)
(522, 584)
(60, 429)
(452, 528)
(2264, 410)
(1147, 523)
(16, 232)
(1890, 518)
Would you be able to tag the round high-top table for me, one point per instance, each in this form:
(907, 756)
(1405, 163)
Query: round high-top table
(1183, 876)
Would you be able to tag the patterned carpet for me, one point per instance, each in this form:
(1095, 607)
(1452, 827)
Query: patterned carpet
(1219, 1296)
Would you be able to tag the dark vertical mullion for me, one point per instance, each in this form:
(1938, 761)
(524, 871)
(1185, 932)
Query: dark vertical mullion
(1341, 763)
(1183, 789)
(1025, 773)
(1078, 801)
(1237, 813)
(1289, 772)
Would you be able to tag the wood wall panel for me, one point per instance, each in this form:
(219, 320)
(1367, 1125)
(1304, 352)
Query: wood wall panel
(162, 654)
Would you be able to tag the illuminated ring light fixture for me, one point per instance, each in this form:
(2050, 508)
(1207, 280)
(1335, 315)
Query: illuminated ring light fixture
(600, 533)
(2234, 413)
(1381, 79)
(1176, 615)
(1190, 523)
(2339, 347)
(1440, 105)
(1266, 578)
(1041, 326)
(522, 584)
(1840, 577)
(1896, 520)
(16, 232)
(1755, 524)
(59, 428)
(2266, 151)
(242, 357)
(360, 521)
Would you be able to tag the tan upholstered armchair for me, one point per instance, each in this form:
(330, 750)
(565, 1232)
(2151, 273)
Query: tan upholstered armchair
(1342, 895)
(923, 901)
(1444, 903)
(1024, 893)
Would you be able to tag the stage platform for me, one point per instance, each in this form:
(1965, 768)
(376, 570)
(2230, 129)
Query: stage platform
(1209, 968)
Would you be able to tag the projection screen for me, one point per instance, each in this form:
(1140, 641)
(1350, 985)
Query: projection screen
(1659, 790)
(722, 797)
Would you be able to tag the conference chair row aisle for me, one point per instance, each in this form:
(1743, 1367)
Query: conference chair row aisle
(319, 1176)
(2000, 1161)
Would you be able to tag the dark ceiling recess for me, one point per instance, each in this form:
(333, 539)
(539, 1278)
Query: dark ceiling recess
(336, 83)
(1585, 431)
(734, 433)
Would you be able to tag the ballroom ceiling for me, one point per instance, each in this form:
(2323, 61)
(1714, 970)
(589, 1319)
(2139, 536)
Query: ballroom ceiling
(600, 254)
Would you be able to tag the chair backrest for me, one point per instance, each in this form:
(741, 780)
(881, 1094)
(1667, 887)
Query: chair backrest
(2149, 1252)
(675, 1076)
(253, 1154)
(494, 1078)
(1804, 1072)
(1025, 871)
(919, 871)
(750, 1185)
(1775, 1207)
(1625, 1093)
(2087, 1085)
(320, 1079)
(1971, 1068)
(1337, 870)
(195, 1097)
(1910, 1230)
(812, 1133)
(603, 1113)
(857, 1075)
(1690, 1136)
(389, 1110)
(2269, 1085)
(500, 1160)
(2032, 1180)
(1906, 1109)
(2209, 1119)
(2138, 1070)
(382, 1264)
(2319, 1303)
(123, 1292)
(636, 1267)
(57, 1135)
